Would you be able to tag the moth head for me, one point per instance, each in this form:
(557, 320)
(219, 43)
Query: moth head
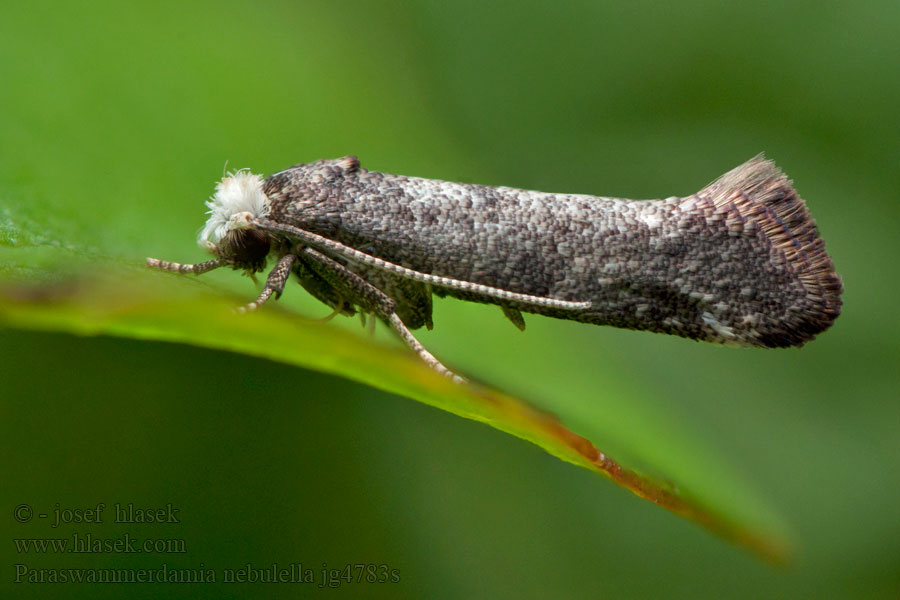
(239, 198)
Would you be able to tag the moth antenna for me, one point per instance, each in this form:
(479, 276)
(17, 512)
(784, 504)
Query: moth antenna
(358, 256)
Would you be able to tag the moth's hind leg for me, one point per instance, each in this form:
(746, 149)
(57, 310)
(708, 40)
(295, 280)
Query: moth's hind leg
(320, 289)
(274, 283)
(371, 299)
(412, 299)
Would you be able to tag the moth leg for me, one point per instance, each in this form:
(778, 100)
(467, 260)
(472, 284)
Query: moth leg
(359, 257)
(331, 315)
(514, 315)
(274, 283)
(372, 300)
(412, 299)
(419, 349)
(320, 289)
(196, 269)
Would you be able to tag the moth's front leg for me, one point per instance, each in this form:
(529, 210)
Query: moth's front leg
(196, 269)
(274, 283)
(371, 299)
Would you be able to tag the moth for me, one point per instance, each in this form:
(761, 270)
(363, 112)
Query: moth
(740, 262)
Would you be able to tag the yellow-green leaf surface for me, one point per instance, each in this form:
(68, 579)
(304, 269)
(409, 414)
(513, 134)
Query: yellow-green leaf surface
(110, 148)
(117, 300)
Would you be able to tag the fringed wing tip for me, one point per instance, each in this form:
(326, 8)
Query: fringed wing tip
(762, 193)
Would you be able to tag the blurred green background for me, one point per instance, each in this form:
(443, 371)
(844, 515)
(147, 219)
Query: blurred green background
(137, 108)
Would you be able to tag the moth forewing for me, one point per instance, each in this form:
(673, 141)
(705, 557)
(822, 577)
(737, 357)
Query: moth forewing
(739, 263)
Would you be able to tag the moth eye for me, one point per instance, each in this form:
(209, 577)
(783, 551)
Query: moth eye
(246, 248)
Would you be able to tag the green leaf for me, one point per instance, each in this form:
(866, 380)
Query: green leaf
(117, 169)
(96, 295)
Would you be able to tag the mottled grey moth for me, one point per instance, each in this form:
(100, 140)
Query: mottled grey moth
(740, 262)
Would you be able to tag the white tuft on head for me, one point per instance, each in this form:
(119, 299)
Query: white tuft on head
(240, 192)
